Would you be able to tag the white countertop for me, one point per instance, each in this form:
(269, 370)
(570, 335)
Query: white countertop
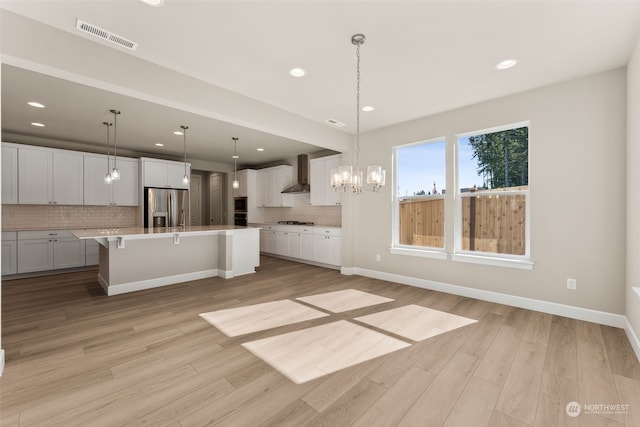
(141, 233)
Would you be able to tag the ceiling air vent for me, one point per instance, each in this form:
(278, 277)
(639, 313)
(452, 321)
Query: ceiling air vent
(335, 123)
(105, 35)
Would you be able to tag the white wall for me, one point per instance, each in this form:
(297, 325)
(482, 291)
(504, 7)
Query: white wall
(577, 188)
(633, 190)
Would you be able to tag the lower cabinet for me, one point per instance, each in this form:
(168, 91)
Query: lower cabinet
(327, 246)
(315, 244)
(91, 251)
(306, 243)
(48, 250)
(9, 253)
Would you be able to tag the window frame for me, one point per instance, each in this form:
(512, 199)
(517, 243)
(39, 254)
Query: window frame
(413, 250)
(480, 257)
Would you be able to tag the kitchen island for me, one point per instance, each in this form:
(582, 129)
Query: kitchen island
(133, 259)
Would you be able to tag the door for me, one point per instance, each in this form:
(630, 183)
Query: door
(196, 200)
(216, 199)
(68, 253)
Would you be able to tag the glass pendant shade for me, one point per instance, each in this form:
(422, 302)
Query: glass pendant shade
(185, 178)
(235, 183)
(115, 172)
(336, 182)
(376, 177)
(356, 181)
(108, 178)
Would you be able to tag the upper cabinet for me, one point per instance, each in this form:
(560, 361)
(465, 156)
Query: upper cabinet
(49, 176)
(270, 182)
(322, 193)
(244, 188)
(122, 192)
(9, 174)
(164, 173)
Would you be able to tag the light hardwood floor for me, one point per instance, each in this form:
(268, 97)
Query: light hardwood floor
(77, 357)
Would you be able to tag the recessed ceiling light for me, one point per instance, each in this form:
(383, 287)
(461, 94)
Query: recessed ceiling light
(156, 3)
(40, 125)
(36, 104)
(507, 63)
(259, 149)
(297, 72)
(158, 144)
(178, 133)
(368, 108)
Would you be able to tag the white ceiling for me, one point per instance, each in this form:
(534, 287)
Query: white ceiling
(420, 58)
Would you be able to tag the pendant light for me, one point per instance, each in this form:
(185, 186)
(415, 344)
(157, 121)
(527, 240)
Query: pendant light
(115, 173)
(345, 177)
(108, 178)
(185, 178)
(235, 184)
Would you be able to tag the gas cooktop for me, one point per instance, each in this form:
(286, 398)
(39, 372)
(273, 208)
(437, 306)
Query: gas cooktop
(295, 222)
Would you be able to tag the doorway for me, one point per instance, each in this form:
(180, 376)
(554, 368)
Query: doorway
(217, 206)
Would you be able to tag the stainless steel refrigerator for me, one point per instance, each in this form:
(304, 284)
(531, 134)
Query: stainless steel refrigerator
(166, 207)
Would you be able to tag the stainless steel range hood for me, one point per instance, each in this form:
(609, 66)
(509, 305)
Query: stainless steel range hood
(302, 186)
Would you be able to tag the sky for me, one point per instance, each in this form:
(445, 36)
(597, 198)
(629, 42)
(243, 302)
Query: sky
(419, 166)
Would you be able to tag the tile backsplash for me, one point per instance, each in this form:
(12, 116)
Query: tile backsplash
(29, 217)
(319, 215)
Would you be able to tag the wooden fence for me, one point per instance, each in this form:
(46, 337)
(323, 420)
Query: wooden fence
(490, 223)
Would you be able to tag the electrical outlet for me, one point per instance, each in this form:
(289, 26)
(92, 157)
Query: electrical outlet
(571, 284)
(378, 257)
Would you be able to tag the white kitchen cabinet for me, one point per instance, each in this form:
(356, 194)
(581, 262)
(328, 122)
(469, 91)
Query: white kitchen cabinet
(243, 181)
(322, 193)
(276, 179)
(68, 252)
(9, 253)
(164, 173)
(261, 186)
(288, 241)
(47, 176)
(271, 242)
(122, 192)
(49, 250)
(9, 175)
(35, 255)
(91, 252)
(327, 245)
(305, 235)
(126, 190)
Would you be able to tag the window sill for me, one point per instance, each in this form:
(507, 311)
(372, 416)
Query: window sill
(498, 262)
(423, 253)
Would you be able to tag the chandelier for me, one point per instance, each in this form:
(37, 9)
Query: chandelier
(348, 177)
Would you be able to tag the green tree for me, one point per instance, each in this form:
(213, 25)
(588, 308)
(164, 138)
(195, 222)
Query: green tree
(503, 157)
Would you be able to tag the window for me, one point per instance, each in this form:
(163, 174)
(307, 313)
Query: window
(493, 192)
(419, 198)
(483, 207)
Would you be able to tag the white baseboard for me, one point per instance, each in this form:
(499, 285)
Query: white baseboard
(1, 361)
(633, 338)
(579, 313)
(155, 283)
